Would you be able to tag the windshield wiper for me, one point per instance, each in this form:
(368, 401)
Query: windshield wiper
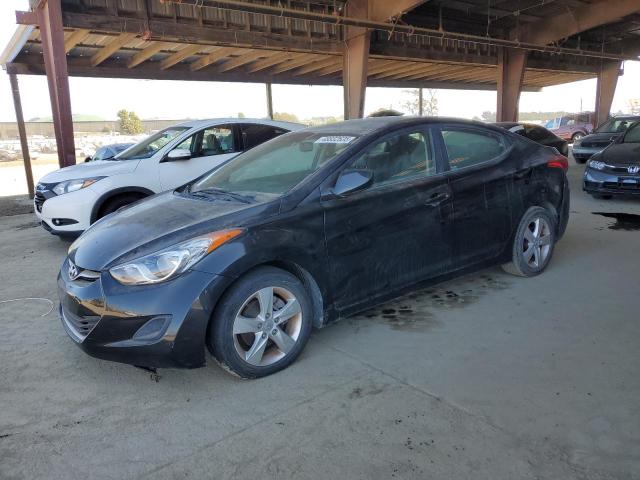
(208, 192)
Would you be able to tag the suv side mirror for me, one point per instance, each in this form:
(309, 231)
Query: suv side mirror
(178, 154)
(352, 180)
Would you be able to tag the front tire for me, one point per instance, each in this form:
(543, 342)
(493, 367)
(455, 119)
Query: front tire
(261, 324)
(533, 243)
(577, 136)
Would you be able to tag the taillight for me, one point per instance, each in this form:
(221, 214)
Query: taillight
(559, 161)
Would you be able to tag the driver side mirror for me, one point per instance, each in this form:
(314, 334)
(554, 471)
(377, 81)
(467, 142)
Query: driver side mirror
(178, 154)
(351, 181)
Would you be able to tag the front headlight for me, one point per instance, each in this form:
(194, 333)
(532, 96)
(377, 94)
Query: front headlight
(596, 164)
(73, 185)
(170, 262)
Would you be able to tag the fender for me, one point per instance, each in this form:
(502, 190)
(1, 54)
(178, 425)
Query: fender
(112, 193)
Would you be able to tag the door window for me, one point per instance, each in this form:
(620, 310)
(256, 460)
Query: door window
(397, 158)
(467, 148)
(255, 134)
(210, 141)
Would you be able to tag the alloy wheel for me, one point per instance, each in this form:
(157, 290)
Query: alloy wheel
(267, 326)
(536, 244)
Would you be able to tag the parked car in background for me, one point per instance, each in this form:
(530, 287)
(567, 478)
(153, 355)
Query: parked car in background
(538, 134)
(304, 229)
(616, 169)
(572, 127)
(68, 200)
(602, 137)
(8, 155)
(107, 152)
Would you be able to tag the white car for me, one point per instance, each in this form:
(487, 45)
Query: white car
(69, 200)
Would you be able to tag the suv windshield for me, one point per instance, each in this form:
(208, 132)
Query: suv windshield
(633, 134)
(275, 166)
(614, 125)
(150, 145)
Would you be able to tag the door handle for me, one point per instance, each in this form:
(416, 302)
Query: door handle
(437, 198)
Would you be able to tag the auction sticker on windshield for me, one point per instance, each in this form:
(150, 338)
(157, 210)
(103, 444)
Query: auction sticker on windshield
(334, 139)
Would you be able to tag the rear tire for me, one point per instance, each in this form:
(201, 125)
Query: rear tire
(261, 324)
(533, 243)
(116, 203)
(577, 136)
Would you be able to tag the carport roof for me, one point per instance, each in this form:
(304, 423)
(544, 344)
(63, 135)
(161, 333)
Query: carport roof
(238, 42)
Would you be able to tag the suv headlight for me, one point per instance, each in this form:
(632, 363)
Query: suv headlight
(596, 164)
(69, 186)
(172, 261)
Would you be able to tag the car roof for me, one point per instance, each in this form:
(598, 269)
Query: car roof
(216, 121)
(635, 118)
(370, 125)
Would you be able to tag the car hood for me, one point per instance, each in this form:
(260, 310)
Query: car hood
(98, 168)
(158, 222)
(601, 137)
(621, 154)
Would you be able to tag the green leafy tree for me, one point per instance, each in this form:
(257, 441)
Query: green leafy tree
(429, 102)
(285, 117)
(130, 123)
(241, 115)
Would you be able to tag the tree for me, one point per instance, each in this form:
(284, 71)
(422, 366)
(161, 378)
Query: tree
(130, 123)
(488, 116)
(241, 115)
(429, 102)
(285, 117)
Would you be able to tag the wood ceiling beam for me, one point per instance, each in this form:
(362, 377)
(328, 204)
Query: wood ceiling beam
(269, 62)
(147, 52)
(556, 27)
(430, 69)
(312, 67)
(247, 57)
(110, 48)
(329, 70)
(180, 55)
(411, 67)
(76, 37)
(295, 63)
(383, 67)
(218, 54)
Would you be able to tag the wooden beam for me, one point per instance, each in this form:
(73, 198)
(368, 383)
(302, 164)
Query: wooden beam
(112, 47)
(303, 59)
(556, 27)
(383, 10)
(511, 66)
(76, 37)
(24, 145)
(405, 68)
(218, 54)
(180, 55)
(147, 52)
(247, 56)
(329, 70)
(312, 67)
(605, 90)
(269, 62)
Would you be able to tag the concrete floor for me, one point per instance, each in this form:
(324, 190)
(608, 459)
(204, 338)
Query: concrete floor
(486, 377)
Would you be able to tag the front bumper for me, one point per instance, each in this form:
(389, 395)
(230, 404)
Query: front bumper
(64, 215)
(595, 181)
(106, 319)
(584, 153)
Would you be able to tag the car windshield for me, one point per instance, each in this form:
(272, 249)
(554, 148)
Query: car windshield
(275, 166)
(150, 145)
(102, 154)
(614, 125)
(633, 134)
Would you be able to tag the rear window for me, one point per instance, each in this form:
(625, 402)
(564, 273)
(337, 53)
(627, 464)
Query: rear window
(466, 148)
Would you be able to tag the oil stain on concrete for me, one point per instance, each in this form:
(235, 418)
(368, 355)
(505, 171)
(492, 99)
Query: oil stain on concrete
(623, 221)
(417, 311)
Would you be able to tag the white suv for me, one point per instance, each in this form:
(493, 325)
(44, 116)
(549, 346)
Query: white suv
(69, 200)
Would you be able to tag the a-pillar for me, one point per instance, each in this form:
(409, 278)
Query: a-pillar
(355, 58)
(511, 65)
(49, 17)
(605, 89)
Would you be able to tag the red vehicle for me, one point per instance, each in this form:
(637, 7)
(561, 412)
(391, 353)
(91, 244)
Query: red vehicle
(572, 127)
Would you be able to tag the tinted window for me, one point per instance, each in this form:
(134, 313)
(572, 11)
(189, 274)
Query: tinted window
(277, 166)
(614, 125)
(633, 134)
(537, 134)
(466, 148)
(210, 141)
(398, 158)
(149, 146)
(253, 135)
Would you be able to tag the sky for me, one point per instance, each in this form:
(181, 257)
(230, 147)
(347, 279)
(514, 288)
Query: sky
(178, 100)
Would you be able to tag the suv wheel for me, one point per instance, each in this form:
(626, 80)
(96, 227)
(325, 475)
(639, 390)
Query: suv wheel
(261, 324)
(533, 243)
(577, 136)
(116, 203)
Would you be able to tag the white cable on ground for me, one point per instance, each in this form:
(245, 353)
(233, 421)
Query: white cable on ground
(31, 298)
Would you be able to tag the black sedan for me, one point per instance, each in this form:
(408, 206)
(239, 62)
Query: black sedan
(602, 137)
(307, 228)
(538, 134)
(616, 170)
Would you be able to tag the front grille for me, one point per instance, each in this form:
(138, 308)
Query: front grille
(79, 326)
(616, 169)
(622, 185)
(39, 200)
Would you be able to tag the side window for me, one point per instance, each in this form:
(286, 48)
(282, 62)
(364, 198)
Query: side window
(397, 158)
(256, 134)
(217, 140)
(467, 148)
(188, 143)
